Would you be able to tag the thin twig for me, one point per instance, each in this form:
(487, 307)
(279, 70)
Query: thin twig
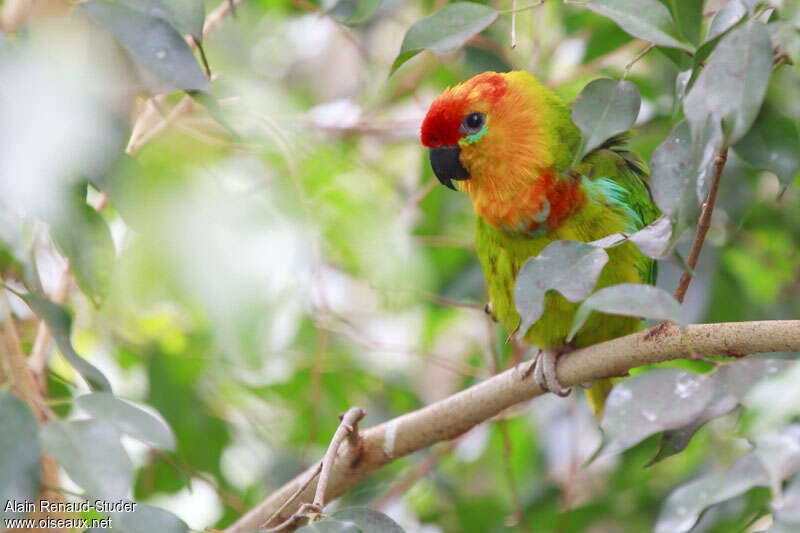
(636, 59)
(214, 18)
(523, 8)
(702, 225)
(599, 63)
(420, 195)
(513, 24)
(303, 486)
(22, 381)
(143, 132)
(347, 428)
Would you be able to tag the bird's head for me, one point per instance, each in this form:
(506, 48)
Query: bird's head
(494, 133)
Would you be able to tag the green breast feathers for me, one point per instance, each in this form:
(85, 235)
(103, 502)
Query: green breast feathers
(617, 201)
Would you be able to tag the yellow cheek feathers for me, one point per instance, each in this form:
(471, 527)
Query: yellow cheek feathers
(513, 160)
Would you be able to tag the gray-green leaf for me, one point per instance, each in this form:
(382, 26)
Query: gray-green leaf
(732, 85)
(779, 452)
(672, 176)
(368, 520)
(355, 11)
(92, 454)
(683, 507)
(604, 108)
(153, 43)
(20, 470)
(731, 384)
(146, 519)
(445, 31)
(688, 17)
(82, 235)
(726, 18)
(60, 323)
(187, 16)
(330, 525)
(653, 401)
(129, 418)
(772, 144)
(631, 299)
(646, 19)
(653, 240)
(569, 267)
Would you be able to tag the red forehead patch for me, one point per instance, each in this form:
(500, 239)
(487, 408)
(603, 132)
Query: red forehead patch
(440, 127)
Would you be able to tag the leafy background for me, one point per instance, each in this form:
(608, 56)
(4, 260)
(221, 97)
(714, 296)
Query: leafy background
(249, 261)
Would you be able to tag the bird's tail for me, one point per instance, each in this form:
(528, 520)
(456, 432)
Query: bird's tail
(597, 394)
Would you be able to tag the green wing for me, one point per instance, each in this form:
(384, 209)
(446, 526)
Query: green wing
(622, 177)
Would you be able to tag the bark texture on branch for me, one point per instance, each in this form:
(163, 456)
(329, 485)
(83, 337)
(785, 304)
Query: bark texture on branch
(457, 414)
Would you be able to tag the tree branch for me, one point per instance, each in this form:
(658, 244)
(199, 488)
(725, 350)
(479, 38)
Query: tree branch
(457, 414)
(348, 428)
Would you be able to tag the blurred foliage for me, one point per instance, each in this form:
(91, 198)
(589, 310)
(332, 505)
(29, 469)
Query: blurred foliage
(270, 250)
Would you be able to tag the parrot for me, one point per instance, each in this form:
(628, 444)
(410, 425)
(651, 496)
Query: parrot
(509, 143)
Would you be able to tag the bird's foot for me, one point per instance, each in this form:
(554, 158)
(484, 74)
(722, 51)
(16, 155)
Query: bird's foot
(543, 367)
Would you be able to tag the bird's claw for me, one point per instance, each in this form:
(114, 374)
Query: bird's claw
(544, 372)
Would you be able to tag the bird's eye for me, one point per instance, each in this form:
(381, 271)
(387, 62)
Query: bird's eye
(473, 122)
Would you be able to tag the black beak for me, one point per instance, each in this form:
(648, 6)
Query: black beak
(446, 166)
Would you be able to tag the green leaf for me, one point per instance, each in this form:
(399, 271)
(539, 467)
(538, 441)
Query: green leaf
(355, 11)
(445, 31)
(187, 16)
(786, 512)
(129, 418)
(728, 17)
(788, 34)
(779, 452)
(630, 299)
(732, 85)
(213, 109)
(147, 519)
(724, 19)
(672, 177)
(330, 525)
(651, 402)
(60, 323)
(190, 16)
(153, 44)
(684, 506)
(654, 239)
(732, 382)
(368, 520)
(688, 17)
(569, 267)
(774, 403)
(604, 108)
(91, 453)
(16, 239)
(773, 144)
(707, 146)
(82, 235)
(646, 19)
(20, 456)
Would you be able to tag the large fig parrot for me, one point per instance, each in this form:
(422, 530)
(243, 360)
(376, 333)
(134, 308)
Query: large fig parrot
(509, 143)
